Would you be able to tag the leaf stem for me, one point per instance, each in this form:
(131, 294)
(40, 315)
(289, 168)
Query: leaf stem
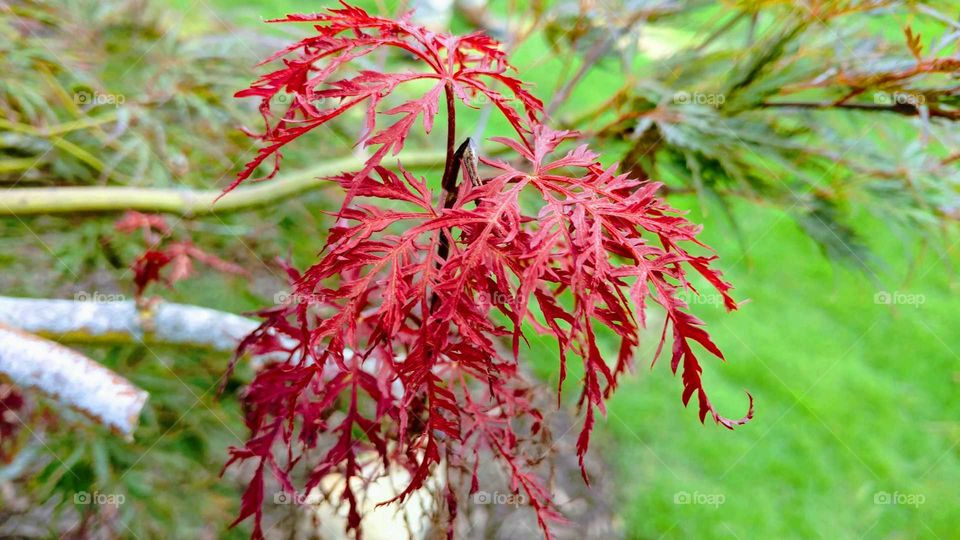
(449, 181)
(450, 169)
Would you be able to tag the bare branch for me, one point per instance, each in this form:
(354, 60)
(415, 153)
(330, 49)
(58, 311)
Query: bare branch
(121, 322)
(70, 378)
(898, 108)
(185, 202)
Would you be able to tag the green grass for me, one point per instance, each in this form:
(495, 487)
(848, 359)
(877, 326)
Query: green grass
(853, 398)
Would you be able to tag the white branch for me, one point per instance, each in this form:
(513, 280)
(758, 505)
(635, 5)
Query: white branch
(70, 378)
(75, 380)
(99, 322)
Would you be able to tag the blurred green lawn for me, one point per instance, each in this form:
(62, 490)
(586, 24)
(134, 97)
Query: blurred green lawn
(854, 399)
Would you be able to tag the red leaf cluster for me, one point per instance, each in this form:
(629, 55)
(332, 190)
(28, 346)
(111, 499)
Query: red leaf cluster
(12, 418)
(398, 351)
(160, 254)
(461, 67)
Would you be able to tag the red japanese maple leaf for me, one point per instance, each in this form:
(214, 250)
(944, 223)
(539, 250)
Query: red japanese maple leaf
(410, 324)
(460, 66)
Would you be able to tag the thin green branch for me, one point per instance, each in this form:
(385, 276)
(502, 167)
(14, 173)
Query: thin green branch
(186, 202)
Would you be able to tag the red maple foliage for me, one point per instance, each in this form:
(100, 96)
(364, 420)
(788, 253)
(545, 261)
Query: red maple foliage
(403, 341)
(12, 416)
(159, 254)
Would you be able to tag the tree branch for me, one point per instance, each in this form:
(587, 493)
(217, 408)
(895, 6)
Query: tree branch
(899, 108)
(185, 202)
(120, 322)
(31, 360)
(71, 379)
(100, 323)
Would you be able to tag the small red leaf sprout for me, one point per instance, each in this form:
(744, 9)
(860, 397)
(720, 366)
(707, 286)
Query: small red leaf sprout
(403, 341)
(161, 253)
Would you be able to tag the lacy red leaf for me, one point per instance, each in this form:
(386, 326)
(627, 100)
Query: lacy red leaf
(161, 252)
(401, 346)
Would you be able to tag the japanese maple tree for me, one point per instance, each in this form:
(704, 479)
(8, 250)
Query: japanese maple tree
(403, 341)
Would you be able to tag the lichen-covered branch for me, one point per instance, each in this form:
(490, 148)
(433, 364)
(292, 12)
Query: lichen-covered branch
(164, 323)
(121, 322)
(70, 378)
(30, 359)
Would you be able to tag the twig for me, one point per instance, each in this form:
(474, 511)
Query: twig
(899, 108)
(449, 195)
(449, 180)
